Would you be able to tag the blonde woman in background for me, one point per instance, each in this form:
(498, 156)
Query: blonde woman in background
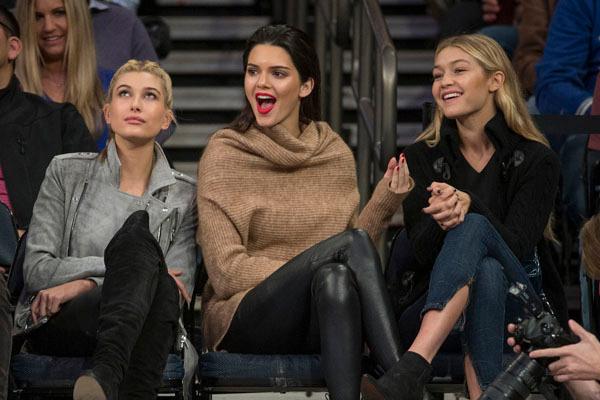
(58, 60)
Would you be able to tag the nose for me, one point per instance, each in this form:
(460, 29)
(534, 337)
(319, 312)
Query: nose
(48, 24)
(447, 80)
(136, 103)
(263, 80)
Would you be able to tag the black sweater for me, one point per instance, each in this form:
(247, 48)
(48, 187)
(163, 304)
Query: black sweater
(32, 132)
(523, 175)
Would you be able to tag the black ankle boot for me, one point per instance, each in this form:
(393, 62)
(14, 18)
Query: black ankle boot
(404, 381)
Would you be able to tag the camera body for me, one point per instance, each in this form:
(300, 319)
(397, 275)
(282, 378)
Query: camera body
(539, 331)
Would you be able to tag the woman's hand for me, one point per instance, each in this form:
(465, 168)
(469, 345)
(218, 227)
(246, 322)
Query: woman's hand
(398, 174)
(447, 205)
(48, 301)
(184, 293)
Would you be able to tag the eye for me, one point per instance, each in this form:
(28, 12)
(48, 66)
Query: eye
(436, 77)
(123, 93)
(151, 96)
(251, 71)
(459, 70)
(59, 12)
(38, 16)
(279, 74)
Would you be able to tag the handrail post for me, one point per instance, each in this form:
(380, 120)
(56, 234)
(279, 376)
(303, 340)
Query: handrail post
(321, 48)
(364, 145)
(336, 71)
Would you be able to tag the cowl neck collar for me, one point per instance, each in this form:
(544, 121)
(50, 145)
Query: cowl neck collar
(282, 148)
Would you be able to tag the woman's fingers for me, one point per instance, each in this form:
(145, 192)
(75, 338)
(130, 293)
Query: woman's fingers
(390, 167)
(395, 179)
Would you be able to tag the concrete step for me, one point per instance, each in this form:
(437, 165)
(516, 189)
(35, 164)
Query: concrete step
(214, 28)
(240, 28)
(218, 62)
(220, 98)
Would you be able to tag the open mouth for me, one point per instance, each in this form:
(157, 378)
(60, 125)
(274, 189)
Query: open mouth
(451, 95)
(265, 102)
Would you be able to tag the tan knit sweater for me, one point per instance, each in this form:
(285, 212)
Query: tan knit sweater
(264, 197)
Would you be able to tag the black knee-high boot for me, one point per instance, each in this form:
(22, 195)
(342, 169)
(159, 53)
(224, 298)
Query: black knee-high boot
(133, 260)
(149, 356)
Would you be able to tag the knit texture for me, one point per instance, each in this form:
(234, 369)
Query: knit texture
(264, 196)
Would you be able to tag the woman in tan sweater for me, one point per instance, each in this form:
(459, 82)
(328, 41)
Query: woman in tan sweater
(289, 272)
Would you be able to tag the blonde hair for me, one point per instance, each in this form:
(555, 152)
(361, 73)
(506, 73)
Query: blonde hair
(82, 86)
(150, 67)
(590, 246)
(508, 98)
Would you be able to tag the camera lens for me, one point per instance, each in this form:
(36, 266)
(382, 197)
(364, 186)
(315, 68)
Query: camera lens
(517, 381)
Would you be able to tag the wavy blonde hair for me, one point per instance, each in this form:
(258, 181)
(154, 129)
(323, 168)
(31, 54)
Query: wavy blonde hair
(509, 98)
(590, 246)
(82, 85)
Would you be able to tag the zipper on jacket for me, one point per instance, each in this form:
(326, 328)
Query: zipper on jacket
(85, 184)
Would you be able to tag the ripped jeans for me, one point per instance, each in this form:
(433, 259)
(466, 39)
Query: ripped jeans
(475, 254)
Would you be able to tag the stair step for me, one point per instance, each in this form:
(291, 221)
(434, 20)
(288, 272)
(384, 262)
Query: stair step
(220, 62)
(214, 28)
(220, 98)
(184, 3)
(240, 28)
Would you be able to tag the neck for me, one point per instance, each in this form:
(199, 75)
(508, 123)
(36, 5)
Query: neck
(471, 131)
(136, 165)
(6, 73)
(54, 69)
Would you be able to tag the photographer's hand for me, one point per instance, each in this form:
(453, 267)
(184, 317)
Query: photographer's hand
(579, 361)
(511, 340)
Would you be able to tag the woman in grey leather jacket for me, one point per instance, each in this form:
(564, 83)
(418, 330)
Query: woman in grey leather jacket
(114, 298)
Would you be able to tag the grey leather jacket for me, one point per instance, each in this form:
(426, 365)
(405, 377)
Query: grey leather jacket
(79, 209)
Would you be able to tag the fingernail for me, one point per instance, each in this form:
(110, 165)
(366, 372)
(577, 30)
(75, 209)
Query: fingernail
(397, 168)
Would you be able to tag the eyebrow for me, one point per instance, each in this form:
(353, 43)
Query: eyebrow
(126, 86)
(272, 67)
(454, 62)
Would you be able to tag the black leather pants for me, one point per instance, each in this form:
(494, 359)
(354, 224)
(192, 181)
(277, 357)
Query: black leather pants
(322, 301)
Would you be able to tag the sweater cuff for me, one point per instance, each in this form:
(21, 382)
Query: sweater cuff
(386, 199)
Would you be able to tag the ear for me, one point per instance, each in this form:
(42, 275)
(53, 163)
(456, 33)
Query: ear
(167, 119)
(307, 87)
(106, 112)
(14, 48)
(496, 81)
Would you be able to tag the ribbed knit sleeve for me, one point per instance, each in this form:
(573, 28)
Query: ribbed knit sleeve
(378, 212)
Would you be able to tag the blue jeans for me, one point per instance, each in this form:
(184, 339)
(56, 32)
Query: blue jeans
(475, 254)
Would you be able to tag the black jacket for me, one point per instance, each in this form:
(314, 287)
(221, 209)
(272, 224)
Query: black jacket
(524, 197)
(32, 132)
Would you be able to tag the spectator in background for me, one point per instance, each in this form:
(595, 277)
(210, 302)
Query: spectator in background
(119, 35)
(493, 18)
(59, 58)
(532, 29)
(32, 131)
(566, 74)
(24, 157)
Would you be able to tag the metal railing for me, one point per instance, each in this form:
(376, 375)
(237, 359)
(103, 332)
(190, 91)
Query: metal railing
(373, 79)
(332, 34)
(374, 69)
(292, 12)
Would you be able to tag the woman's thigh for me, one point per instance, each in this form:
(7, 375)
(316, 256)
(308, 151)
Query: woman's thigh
(278, 315)
(72, 331)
